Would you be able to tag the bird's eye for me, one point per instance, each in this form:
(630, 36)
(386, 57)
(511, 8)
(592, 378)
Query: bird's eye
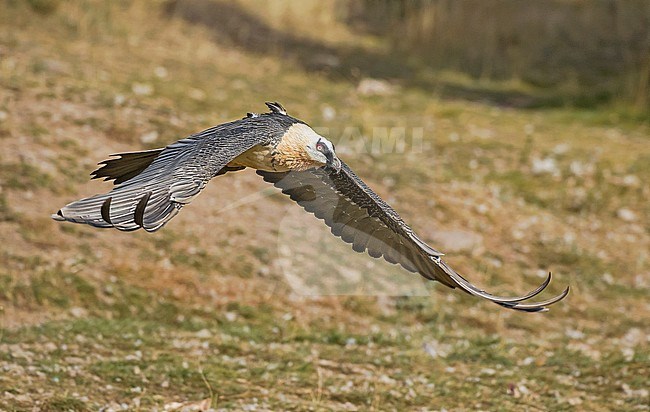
(320, 147)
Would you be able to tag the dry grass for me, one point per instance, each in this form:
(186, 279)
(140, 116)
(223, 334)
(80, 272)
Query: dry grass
(201, 312)
(580, 54)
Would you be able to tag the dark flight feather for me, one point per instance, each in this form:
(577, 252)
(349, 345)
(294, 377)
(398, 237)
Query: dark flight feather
(126, 166)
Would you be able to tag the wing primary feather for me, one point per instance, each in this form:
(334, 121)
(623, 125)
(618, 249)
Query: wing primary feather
(361, 239)
(375, 243)
(125, 166)
(510, 303)
(537, 306)
(473, 290)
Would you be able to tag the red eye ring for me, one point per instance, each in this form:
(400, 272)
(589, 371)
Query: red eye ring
(320, 147)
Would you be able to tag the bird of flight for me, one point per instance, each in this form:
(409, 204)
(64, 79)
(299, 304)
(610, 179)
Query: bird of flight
(152, 186)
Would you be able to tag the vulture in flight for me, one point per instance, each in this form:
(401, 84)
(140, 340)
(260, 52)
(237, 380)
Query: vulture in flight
(152, 186)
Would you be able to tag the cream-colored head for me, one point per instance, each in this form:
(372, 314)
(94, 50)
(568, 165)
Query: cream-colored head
(301, 148)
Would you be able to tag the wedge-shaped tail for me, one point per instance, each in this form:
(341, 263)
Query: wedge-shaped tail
(126, 209)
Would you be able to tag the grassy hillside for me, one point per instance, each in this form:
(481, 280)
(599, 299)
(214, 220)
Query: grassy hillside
(583, 54)
(222, 307)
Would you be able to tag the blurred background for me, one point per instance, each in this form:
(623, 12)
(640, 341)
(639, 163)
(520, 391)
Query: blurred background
(514, 136)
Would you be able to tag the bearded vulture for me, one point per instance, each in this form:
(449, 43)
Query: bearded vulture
(152, 186)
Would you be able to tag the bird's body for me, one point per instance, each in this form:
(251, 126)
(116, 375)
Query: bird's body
(260, 158)
(281, 155)
(152, 186)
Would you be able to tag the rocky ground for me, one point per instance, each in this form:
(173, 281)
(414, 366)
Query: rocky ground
(243, 301)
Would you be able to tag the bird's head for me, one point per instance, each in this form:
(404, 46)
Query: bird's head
(321, 151)
(302, 148)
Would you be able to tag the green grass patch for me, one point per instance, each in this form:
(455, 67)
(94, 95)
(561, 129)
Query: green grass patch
(24, 176)
(65, 404)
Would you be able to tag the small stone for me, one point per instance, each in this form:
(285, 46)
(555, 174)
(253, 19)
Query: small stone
(457, 240)
(160, 72)
(204, 334)
(631, 181)
(73, 360)
(577, 168)
(197, 94)
(149, 137)
(325, 60)
(173, 406)
(608, 278)
(481, 132)
(23, 398)
(574, 334)
(119, 99)
(574, 401)
(635, 337)
(561, 148)
(328, 113)
(436, 349)
(264, 271)
(548, 165)
(527, 361)
(529, 129)
(626, 214)
(634, 393)
(375, 87)
(628, 354)
(142, 89)
(482, 208)
(78, 312)
(56, 66)
(523, 389)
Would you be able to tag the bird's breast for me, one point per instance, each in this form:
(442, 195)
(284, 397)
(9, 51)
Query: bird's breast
(259, 157)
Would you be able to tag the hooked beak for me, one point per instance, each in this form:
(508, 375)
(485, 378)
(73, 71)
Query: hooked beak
(334, 163)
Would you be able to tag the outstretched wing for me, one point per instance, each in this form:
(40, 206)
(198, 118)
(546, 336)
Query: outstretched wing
(152, 186)
(360, 217)
(124, 166)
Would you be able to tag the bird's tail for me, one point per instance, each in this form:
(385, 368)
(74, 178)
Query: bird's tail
(122, 208)
(88, 210)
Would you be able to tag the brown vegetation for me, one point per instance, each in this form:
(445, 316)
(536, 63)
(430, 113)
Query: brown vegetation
(206, 311)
